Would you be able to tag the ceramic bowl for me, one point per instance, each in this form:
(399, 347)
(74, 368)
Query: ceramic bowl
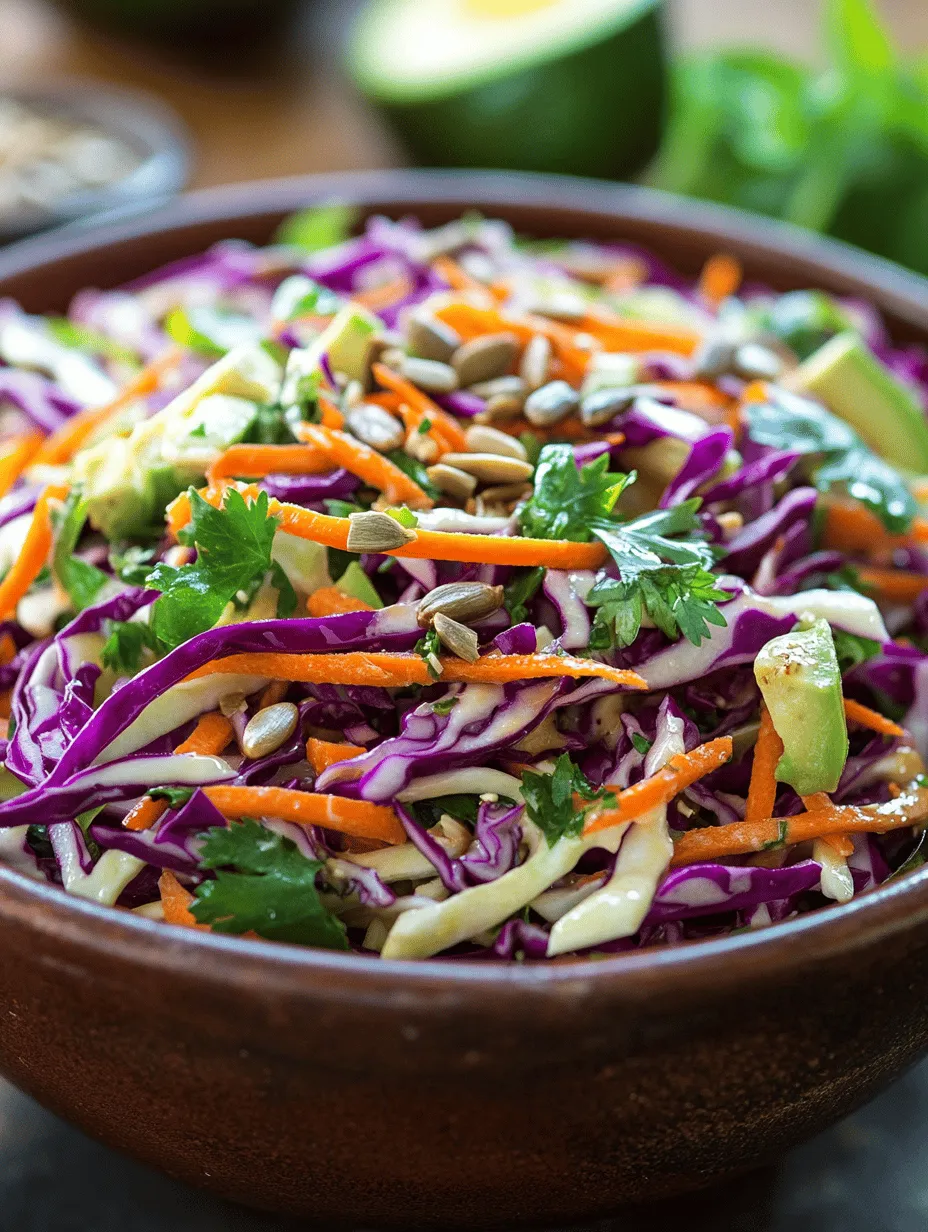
(452, 1092)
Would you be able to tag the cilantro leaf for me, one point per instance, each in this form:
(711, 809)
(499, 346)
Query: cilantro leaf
(520, 590)
(80, 580)
(852, 650)
(233, 556)
(462, 808)
(549, 799)
(641, 743)
(264, 885)
(176, 797)
(133, 564)
(429, 648)
(122, 650)
(567, 499)
(415, 470)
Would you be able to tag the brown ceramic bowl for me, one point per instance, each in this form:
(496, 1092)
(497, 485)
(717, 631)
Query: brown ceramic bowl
(450, 1092)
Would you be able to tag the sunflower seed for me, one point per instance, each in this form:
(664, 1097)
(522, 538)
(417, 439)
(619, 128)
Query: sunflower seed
(269, 729)
(512, 386)
(430, 338)
(482, 439)
(605, 404)
(490, 467)
(551, 403)
(456, 637)
(536, 362)
(462, 601)
(422, 447)
(451, 481)
(353, 395)
(429, 374)
(375, 427)
(484, 358)
(714, 358)
(376, 532)
(564, 307)
(506, 492)
(753, 362)
(392, 357)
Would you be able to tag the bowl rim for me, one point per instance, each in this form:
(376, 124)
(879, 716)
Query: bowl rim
(691, 967)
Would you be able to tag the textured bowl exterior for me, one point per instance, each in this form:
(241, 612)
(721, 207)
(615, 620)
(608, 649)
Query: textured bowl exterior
(449, 1093)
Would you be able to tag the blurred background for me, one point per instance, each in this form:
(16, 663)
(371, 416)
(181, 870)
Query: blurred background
(812, 110)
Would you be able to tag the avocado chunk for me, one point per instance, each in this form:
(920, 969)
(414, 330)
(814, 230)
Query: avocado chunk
(799, 678)
(346, 341)
(855, 385)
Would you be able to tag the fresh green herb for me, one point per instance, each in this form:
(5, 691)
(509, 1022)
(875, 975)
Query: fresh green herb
(176, 797)
(782, 835)
(341, 508)
(270, 426)
(264, 885)
(549, 799)
(852, 650)
(462, 808)
(211, 331)
(199, 431)
(445, 704)
(37, 838)
(839, 456)
(566, 499)
(642, 745)
(81, 338)
(404, 516)
(429, 648)
(122, 650)
(133, 564)
(321, 226)
(531, 443)
(415, 470)
(233, 557)
(520, 591)
(425, 427)
(81, 581)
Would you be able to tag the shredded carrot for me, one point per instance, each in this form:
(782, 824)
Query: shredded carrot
(841, 844)
(680, 772)
(210, 737)
(754, 393)
(734, 421)
(7, 649)
(63, 444)
(384, 296)
(31, 560)
(851, 527)
(871, 719)
(369, 465)
(697, 396)
(330, 601)
(720, 279)
(354, 817)
(331, 416)
(767, 753)
(893, 585)
(256, 461)
(428, 544)
(456, 277)
(175, 901)
(747, 837)
(423, 406)
(17, 455)
(324, 753)
(6, 703)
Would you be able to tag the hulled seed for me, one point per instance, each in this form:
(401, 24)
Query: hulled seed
(551, 403)
(512, 386)
(506, 492)
(485, 358)
(501, 406)
(429, 374)
(353, 395)
(456, 637)
(565, 307)
(269, 729)
(598, 408)
(376, 532)
(536, 362)
(375, 427)
(451, 481)
(462, 601)
(753, 362)
(422, 447)
(482, 439)
(392, 357)
(714, 358)
(430, 338)
(490, 467)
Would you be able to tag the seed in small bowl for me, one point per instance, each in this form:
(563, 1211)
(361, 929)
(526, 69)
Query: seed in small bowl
(551, 403)
(490, 467)
(462, 601)
(483, 439)
(484, 358)
(453, 482)
(429, 374)
(375, 427)
(269, 729)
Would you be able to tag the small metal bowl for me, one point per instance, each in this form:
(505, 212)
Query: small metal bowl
(143, 123)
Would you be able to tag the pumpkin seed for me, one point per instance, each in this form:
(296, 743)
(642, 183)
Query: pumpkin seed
(754, 362)
(482, 439)
(429, 374)
(598, 408)
(551, 403)
(269, 729)
(376, 532)
(481, 359)
(375, 427)
(490, 467)
(456, 637)
(451, 481)
(536, 362)
(430, 338)
(461, 601)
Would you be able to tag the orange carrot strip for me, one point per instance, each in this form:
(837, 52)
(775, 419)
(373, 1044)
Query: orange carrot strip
(456, 276)
(176, 901)
(331, 415)
(330, 601)
(745, 838)
(63, 444)
(354, 817)
(273, 694)
(422, 405)
(871, 719)
(18, 453)
(210, 737)
(324, 753)
(840, 844)
(6, 704)
(31, 560)
(851, 527)
(626, 334)
(7, 649)
(720, 278)
(387, 671)
(256, 461)
(369, 465)
(893, 585)
(767, 753)
(680, 772)
(428, 544)
(696, 396)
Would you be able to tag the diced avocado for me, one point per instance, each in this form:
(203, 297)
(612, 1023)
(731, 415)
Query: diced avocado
(245, 372)
(800, 680)
(355, 582)
(346, 340)
(217, 421)
(851, 381)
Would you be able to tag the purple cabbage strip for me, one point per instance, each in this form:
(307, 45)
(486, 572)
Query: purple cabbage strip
(37, 397)
(18, 503)
(750, 544)
(707, 889)
(705, 461)
(519, 937)
(768, 469)
(307, 490)
(520, 639)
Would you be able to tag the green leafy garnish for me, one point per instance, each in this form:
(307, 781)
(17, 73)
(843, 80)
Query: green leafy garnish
(567, 499)
(299, 296)
(233, 557)
(549, 799)
(462, 808)
(404, 516)
(520, 590)
(429, 648)
(81, 581)
(264, 885)
(415, 470)
(445, 704)
(176, 797)
(321, 226)
(852, 650)
(122, 650)
(133, 564)
(270, 426)
(641, 744)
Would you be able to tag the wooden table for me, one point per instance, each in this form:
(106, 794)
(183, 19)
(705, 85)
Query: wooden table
(296, 114)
